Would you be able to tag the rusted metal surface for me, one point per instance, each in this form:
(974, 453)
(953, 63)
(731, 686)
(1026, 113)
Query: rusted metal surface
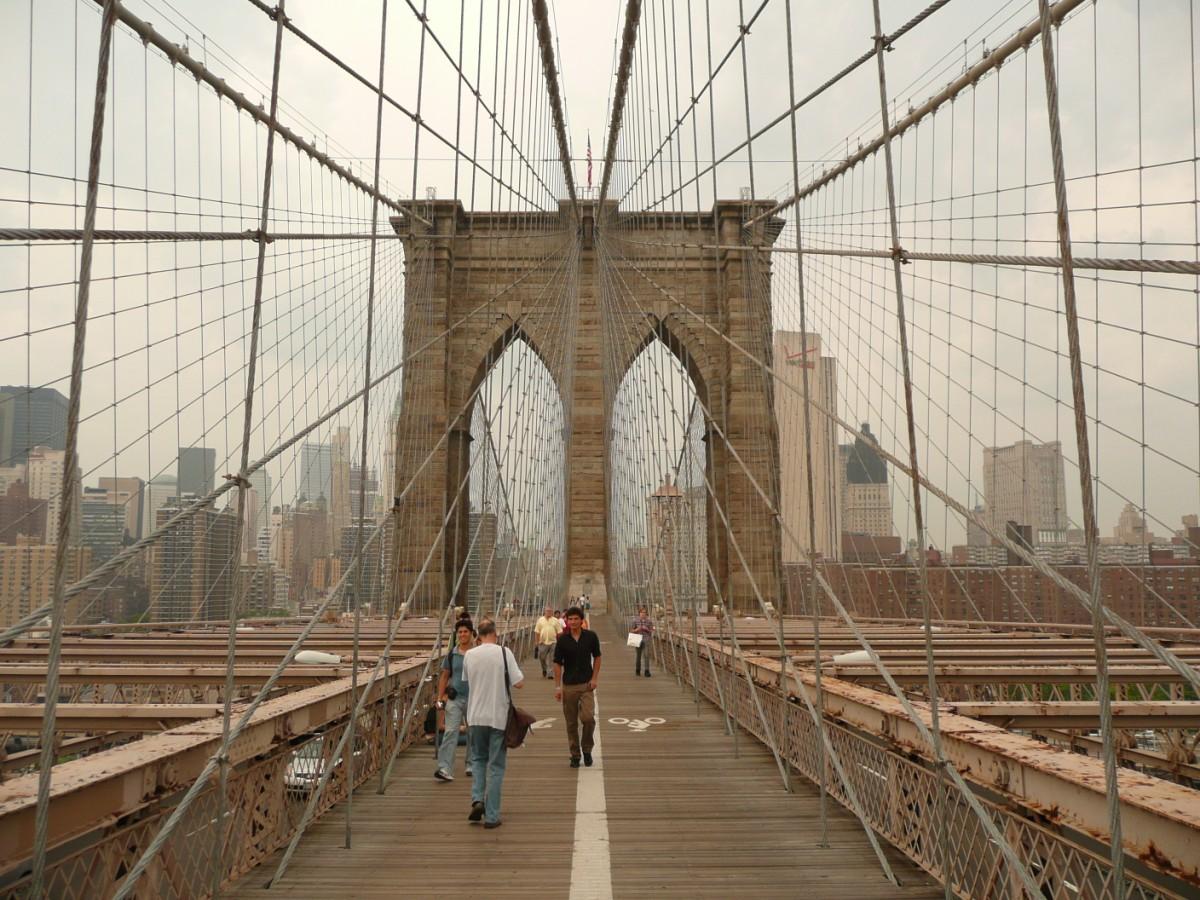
(26, 718)
(96, 791)
(1049, 799)
(1083, 713)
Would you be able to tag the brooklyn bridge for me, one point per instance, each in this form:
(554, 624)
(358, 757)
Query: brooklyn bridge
(863, 354)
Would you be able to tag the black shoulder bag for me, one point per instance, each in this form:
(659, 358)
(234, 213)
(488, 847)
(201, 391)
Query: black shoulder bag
(519, 721)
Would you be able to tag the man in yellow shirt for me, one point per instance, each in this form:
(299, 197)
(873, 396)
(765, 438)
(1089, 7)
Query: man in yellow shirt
(548, 628)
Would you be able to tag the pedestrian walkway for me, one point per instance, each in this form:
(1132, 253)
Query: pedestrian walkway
(683, 816)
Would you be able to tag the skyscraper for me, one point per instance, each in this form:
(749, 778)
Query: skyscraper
(161, 490)
(27, 578)
(316, 465)
(866, 501)
(102, 524)
(1024, 483)
(30, 417)
(127, 493)
(194, 566)
(792, 357)
(45, 469)
(197, 468)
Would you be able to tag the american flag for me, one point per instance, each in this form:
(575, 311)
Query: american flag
(589, 158)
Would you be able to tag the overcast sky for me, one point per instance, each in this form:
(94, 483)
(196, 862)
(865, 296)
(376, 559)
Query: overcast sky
(972, 172)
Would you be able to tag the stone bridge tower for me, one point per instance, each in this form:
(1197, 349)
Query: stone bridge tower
(491, 278)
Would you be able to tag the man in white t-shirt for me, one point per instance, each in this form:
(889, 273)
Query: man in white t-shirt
(487, 714)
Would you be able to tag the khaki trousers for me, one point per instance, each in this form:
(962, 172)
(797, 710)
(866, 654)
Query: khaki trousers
(579, 707)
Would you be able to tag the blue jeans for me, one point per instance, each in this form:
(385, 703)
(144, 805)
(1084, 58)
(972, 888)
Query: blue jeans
(488, 757)
(456, 714)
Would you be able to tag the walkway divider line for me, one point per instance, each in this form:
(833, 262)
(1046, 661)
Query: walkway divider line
(591, 862)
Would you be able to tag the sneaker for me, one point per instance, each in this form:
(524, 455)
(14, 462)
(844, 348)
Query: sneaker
(443, 775)
(495, 824)
(574, 762)
(647, 673)
(587, 759)
(468, 773)
(476, 811)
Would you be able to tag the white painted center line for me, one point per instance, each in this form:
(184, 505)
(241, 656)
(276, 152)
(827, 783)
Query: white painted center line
(591, 864)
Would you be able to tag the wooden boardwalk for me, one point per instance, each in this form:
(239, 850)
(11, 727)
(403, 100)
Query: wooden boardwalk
(685, 818)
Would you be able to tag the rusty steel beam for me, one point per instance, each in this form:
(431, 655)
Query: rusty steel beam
(959, 674)
(1082, 713)
(94, 791)
(69, 747)
(26, 718)
(293, 676)
(1151, 759)
(1162, 819)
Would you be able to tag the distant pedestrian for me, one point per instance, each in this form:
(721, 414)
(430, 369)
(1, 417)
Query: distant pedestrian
(452, 695)
(485, 668)
(548, 628)
(642, 625)
(576, 674)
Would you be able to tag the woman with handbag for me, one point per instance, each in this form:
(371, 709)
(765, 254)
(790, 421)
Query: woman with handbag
(643, 627)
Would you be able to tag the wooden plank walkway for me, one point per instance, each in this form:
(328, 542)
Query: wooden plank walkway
(684, 817)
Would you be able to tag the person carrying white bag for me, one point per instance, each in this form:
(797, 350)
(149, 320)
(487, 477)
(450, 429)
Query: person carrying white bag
(640, 631)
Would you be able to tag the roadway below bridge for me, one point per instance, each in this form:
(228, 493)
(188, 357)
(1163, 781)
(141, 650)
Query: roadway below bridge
(669, 810)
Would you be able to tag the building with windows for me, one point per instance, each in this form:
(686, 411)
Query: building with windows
(793, 357)
(30, 417)
(197, 470)
(866, 498)
(1024, 483)
(102, 525)
(194, 565)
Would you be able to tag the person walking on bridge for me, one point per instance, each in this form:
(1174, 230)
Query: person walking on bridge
(644, 626)
(548, 628)
(485, 669)
(452, 697)
(576, 673)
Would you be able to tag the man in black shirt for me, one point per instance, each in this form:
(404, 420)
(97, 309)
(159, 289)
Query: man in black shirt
(576, 671)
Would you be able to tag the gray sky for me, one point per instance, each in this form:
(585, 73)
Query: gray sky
(1127, 110)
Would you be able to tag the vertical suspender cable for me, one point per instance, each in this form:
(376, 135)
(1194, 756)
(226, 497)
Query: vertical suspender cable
(366, 409)
(1084, 453)
(70, 470)
(808, 458)
(918, 515)
(242, 479)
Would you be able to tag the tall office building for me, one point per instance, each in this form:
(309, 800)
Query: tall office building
(102, 524)
(866, 501)
(316, 465)
(129, 495)
(794, 356)
(45, 468)
(483, 571)
(339, 485)
(309, 543)
(194, 565)
(1131, 528)
(27, 578)
(1024, 483)
(257, 510)
(370, 577)
(371, 498)
(161, 490)
(30, 417)
(21, 516)
(197, 470)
